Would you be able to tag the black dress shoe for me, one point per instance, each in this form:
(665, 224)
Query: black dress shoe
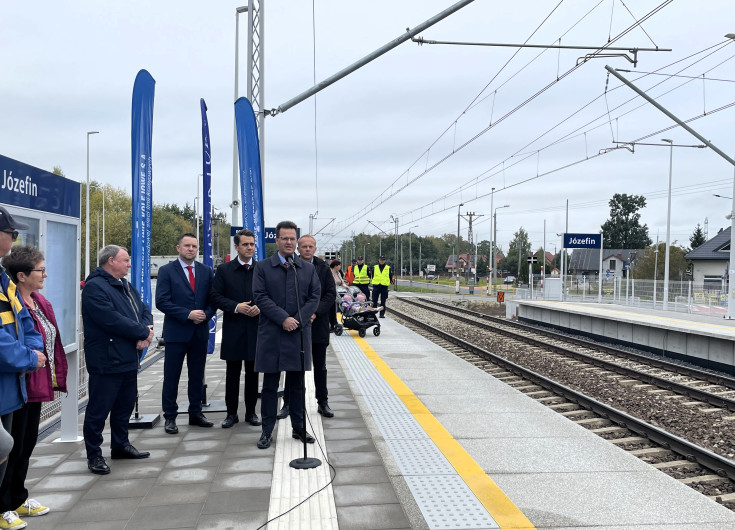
(200, 421)
(230, 420)
(128, 452)
(382, 316)
(324, 410)
(253, 419)
(302, 435)
(171, 427)
(283, 413)
(98, 466)
(265, 441)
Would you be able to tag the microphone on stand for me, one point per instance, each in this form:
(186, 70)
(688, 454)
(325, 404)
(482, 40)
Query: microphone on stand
(289, 259)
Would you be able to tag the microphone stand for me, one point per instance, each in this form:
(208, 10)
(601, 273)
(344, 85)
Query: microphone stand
(305, 462)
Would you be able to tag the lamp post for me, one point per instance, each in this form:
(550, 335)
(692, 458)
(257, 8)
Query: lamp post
(655, 272)
(495, 237)
(458, 236)
(668, 225)
(364, 255)
(235, 179)
(492, 240)
(410, 254)
(86, 220)
(103, 212)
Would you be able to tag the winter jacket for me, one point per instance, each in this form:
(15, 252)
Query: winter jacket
(18, 339)
(39, 384)
(115, 319)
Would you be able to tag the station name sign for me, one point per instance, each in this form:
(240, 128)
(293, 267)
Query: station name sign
(33, 188)
(582, 240)
(269, 233)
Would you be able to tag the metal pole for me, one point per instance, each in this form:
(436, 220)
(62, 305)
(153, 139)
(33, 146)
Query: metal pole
(371, 56)
(655, 272)
(492, 241)
(235, 164)
(599, 274)
(731, 271)
(410, 257)
(665, 305)
(103, 217)
(86, 225)
(456, 268)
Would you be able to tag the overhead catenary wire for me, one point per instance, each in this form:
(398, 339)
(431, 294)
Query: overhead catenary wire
(395, 189)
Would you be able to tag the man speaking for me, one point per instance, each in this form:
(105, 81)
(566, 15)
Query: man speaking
(286, 290)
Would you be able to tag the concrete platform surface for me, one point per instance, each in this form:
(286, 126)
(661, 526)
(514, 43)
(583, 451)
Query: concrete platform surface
(420, 439)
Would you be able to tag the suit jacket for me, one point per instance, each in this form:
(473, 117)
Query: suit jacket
(274, 289)
(233, 284)
(175, 299)
(320, 326)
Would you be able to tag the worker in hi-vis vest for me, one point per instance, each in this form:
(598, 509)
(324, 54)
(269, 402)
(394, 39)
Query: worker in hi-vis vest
(382, 278)
(362, 279)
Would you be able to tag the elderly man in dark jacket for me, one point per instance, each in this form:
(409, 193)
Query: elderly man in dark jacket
(232, 292)
(286, 290)
(117, 327)
(319, 328)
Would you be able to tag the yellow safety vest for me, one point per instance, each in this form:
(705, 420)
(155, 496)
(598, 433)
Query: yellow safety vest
(361, 274)
(381, 278)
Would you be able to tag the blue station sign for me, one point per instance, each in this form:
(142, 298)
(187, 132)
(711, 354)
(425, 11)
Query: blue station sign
(269, 233)
(582, 240)
(33, 188)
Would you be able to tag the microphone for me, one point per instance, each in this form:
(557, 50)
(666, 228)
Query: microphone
(289, 259)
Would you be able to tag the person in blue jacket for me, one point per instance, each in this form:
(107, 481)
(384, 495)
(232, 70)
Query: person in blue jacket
(21, 345)
(118, 326)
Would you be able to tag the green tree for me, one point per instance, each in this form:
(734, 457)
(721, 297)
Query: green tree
(623, 229)
(697, 237)
(520, 245)
(645, 264)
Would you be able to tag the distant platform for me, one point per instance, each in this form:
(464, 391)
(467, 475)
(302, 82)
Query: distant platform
(708, 341)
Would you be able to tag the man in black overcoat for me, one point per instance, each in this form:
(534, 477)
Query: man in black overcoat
(286, 290)
(232, 292)
(319, 328)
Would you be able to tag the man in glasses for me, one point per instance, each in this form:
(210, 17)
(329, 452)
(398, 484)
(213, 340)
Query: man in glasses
(21, 345)
(286, 289)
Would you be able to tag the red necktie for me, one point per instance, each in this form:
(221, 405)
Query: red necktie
(191, 277)
(247, 266)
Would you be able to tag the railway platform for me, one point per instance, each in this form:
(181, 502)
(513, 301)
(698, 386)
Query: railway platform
(420, 439)
(702, 339)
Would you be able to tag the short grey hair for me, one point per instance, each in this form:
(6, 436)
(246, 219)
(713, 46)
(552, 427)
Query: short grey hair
(110, 251)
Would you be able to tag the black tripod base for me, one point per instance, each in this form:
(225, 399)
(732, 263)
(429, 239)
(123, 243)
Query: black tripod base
(305, 463)
(143, 421)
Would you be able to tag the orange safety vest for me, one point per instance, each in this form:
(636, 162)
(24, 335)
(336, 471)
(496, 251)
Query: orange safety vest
(350, 276)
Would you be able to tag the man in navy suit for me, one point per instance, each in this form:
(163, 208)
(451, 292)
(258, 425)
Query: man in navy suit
(182, 294)
(286, 289)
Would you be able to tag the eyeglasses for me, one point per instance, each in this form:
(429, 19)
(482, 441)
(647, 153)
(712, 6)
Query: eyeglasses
(13, 234)
(42, 270)
(287, 239)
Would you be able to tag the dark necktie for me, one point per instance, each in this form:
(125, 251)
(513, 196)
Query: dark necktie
(247, 266)
(191, 277)
(285, 265)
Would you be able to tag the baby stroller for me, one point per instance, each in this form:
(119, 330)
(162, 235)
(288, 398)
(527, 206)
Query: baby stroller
(357, 313)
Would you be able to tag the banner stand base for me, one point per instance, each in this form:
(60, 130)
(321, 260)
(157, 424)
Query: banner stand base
(216, 405)
(143, 421)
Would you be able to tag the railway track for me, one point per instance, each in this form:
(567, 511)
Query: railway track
(706, 387)
(700, 468)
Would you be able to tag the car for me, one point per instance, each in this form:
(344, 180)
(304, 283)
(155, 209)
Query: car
(509, 279)
(431, 277)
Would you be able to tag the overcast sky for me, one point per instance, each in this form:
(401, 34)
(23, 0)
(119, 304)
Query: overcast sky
(385, 135)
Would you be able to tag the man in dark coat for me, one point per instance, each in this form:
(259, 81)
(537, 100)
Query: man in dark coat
(287, 291)
(319, 328)
(117, 326)
(232, 292)
(182, 294)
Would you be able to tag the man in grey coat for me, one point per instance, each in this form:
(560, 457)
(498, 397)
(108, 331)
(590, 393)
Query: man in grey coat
(286, 290)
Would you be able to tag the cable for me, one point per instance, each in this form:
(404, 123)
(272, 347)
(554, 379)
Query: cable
(332, 474)
(316, 150)
(408, 182)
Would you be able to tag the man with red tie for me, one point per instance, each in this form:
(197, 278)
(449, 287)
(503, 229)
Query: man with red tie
(182, 295)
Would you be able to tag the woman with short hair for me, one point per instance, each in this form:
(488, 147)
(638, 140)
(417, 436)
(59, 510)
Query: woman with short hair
(25, 265)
